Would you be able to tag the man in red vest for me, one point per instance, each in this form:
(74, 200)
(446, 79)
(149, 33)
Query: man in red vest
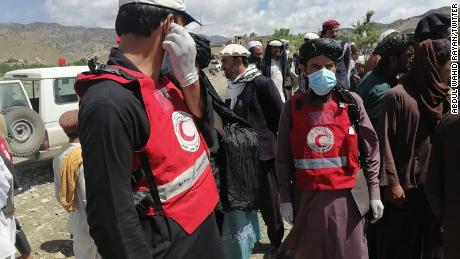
(150, 188)
(318, 139)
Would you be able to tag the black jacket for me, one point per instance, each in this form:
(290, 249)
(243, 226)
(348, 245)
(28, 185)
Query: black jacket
(260, 104)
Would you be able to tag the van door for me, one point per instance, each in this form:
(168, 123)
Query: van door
(12, 94)
(61, 97)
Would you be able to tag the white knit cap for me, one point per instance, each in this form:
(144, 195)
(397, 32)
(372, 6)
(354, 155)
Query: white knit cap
(311, 36)
(275, 43)
(253, 44)
(385, 34)
(234, 50)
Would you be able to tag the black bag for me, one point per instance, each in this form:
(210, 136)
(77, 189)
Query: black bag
(237, 158)
(239, 179)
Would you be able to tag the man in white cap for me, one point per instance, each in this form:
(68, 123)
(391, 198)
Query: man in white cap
(255, 98)
(357, 73)
(149, 184)
(275, 66)
(310, 36)
(257, 53)
(286, 46)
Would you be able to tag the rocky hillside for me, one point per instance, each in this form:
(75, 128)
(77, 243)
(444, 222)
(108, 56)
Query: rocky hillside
(408, 25)
(44, 43)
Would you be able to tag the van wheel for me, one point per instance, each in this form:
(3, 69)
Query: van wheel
(27, 130)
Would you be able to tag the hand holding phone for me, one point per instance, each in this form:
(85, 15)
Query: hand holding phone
(181, 50)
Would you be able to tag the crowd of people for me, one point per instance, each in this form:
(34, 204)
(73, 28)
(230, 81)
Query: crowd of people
(358, 155)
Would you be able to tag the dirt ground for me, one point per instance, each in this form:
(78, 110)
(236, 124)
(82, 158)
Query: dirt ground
(43, 219)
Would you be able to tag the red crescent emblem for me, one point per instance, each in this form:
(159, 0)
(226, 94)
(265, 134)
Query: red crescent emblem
(317, 140)
(182, 133)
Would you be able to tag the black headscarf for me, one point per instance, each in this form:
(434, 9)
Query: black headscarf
(237, 188)
(424, 79)
(393, 44)
(203, 50)
(317, 47)
(267, 61)
(434, 26)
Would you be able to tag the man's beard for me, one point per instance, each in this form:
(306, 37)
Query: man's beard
(228, 75)
(320, 98)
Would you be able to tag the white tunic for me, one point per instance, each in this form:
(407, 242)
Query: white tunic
(277, 77)
(7, 223)
(83, 244)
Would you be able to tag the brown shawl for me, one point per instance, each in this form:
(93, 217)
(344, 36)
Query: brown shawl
(69, 178)
(424, 79)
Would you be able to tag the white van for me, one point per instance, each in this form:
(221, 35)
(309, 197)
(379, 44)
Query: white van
(50, 93)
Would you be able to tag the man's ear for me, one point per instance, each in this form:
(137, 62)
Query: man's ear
(334, 69)
(167, 23)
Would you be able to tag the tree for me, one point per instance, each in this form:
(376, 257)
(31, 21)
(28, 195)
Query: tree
(365, 33)
(282, 33)
(295, 41)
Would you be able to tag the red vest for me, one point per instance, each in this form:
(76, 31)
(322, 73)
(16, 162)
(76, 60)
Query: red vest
(175, 149)
(324, 146)
(5, 149)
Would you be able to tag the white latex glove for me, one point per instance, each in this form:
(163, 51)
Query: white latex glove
(182, 54)
(377, 210)
(287, 212)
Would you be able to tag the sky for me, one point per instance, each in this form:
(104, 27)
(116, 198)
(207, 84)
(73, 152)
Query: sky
(224, 17)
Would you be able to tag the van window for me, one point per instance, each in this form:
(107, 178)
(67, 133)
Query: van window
(11, 94)
(64, 91)
(32, 88)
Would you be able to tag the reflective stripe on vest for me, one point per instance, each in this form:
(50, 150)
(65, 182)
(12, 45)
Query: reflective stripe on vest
(320, 163)
(176, 151)
(185, 180)
(323, 148)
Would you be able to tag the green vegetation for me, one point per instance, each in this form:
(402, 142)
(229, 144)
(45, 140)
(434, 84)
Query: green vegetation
(365, 33)
(81, 62)
(295, 41)
(14, 64)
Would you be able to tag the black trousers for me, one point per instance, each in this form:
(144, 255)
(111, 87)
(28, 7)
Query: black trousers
(269, 202)
(371, 231)
(411, 232)
(169, 241)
